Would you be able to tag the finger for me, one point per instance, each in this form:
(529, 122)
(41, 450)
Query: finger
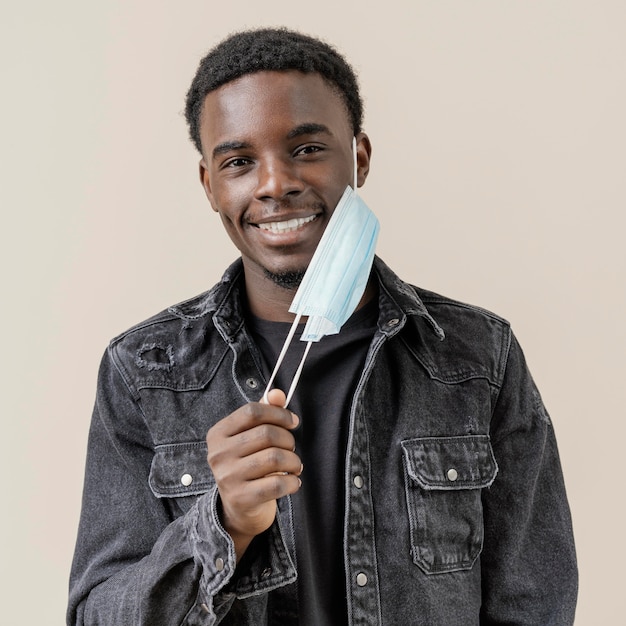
(272, 461)
(277, 397)
(254, 466)
(269, 488)
(262, 437)
(251, 415)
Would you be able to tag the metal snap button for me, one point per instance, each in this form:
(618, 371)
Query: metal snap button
(252, 383)
(186, 480)
(361, 579)
(219, 563)
(452, 474)
(358, 481)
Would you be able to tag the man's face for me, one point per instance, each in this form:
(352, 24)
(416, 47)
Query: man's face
(277, 156)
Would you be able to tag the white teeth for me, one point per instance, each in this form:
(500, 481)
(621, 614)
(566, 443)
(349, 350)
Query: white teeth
(287, 225)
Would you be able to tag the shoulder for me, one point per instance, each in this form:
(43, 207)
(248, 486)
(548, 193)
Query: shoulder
(476, 342)
(452, 313)
(442, 322)
(179, 347)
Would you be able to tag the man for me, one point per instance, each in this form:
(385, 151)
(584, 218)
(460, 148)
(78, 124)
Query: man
(414, 477)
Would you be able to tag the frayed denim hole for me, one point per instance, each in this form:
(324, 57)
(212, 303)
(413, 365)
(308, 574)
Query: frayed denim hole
(155, 357)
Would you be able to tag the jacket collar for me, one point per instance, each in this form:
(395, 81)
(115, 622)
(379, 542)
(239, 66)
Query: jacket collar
(223, 301)
(404, 296)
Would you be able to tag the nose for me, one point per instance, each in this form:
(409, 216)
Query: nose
(277, 178)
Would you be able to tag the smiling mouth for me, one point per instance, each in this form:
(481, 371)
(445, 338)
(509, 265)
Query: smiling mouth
(286, 226)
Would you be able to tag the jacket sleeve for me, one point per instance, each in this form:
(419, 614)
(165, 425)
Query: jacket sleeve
(138, 561)
(529, 564)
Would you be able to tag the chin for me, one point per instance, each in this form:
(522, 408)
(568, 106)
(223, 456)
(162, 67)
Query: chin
(288, 279)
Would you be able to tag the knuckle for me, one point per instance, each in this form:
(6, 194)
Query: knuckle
(274, 457)
(254, 411)
(265, 433)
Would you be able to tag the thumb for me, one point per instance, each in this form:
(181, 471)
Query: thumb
(276, 397)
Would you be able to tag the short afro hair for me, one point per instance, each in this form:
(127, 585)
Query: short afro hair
(270, 49)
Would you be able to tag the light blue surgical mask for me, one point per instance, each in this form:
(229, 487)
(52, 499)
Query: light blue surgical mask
(337, 276)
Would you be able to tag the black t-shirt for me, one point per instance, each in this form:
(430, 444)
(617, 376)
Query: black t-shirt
(322, 400)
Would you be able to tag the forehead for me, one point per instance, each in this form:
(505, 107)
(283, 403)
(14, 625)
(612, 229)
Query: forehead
(272, 101)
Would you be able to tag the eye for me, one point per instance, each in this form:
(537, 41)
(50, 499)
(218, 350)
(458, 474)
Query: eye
(308, 149)
(237, 162)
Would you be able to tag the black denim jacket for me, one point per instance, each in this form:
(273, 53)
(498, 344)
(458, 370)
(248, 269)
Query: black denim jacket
(455, 512)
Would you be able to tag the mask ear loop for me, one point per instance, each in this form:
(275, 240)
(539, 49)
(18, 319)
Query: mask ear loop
(294, 325)
(354, 161)
(280, 359)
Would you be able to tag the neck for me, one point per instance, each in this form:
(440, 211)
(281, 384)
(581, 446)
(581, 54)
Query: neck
(269, 301)
(266, 299)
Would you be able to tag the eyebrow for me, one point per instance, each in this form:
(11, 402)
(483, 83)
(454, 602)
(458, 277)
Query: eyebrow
(227, 146)
(308, 128)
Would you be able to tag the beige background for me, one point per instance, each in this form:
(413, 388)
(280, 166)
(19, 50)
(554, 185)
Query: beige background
(498, 175)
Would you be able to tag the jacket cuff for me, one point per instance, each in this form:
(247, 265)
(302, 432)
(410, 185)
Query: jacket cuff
(266, 565)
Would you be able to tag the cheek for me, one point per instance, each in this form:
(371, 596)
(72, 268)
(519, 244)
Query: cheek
(234, 232)
(231, 197)
(335, 180)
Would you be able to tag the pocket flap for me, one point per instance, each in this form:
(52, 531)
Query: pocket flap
(464, 462)
(180, 469)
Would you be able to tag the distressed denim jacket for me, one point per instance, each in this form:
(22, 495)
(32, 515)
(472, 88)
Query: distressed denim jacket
(455, 508)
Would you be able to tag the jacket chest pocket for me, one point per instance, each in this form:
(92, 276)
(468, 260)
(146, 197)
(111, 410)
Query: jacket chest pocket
(180, 470)
(444, 478)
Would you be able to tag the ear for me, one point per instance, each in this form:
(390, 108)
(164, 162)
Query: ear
(203, 171)
(363, 156)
